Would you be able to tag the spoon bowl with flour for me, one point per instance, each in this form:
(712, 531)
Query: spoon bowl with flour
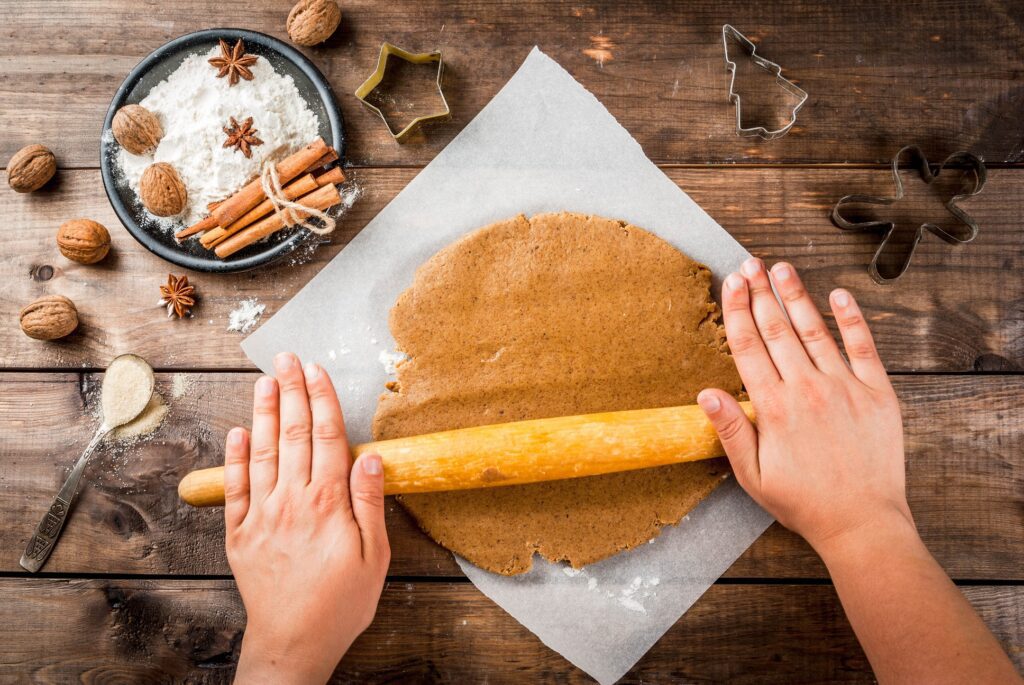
(127, 390)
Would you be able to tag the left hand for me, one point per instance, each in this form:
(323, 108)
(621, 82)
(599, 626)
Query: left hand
(305, 529)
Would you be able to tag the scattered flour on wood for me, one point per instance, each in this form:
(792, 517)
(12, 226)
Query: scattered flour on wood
(246, 315)
(349, 195)
(182, 384)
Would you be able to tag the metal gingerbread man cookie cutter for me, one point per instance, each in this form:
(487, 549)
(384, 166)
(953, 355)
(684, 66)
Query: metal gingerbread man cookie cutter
(750, 49)
(973, 180)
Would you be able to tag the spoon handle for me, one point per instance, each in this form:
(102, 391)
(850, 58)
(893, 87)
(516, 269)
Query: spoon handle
(43, 540)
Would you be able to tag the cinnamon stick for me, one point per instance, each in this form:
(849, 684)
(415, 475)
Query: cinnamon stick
(297, 188)
(321, 198)
(335, 175)
(330, 156)
(236, 206)
(198, 227)
(204, 225)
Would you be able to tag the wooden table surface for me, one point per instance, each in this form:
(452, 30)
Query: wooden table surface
(138, 590)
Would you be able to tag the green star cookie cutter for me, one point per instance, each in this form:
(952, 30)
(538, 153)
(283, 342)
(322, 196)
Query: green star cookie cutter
(387, 50)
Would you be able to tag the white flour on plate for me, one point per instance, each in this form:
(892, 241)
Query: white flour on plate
(194, 106)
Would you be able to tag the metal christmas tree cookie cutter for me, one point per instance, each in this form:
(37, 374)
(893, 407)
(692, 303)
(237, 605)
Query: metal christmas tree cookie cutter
(771, 67)
(387, 50)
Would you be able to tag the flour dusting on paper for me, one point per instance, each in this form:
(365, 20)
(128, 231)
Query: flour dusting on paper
(390, 361)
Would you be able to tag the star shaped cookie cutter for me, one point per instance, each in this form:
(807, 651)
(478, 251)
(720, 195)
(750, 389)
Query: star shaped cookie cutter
(973, 180)
(387, 50)
(728, 32)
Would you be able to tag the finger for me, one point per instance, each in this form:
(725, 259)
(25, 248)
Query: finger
(296, 422)
(266, 425)
(857, 340)
(784, 347)
(748, 350)
(807, 322)
(367, 486)
(331, 457)
(236, 478)
(738, 436)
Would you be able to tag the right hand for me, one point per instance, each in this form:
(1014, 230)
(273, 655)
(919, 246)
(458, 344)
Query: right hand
(826, 455)
(305, 529)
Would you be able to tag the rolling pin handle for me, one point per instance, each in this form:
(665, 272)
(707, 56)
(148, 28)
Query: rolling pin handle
(203, 488)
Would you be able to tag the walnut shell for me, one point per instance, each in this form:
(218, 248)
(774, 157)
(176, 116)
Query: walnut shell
(313, 21)
(161, 190)
(83, 241)
(137, 129)
(30, 168)
(49, 318)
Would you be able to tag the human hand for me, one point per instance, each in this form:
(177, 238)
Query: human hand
(826, 456)
(305, 529)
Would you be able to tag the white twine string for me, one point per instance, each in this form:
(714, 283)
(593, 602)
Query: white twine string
(282, 205)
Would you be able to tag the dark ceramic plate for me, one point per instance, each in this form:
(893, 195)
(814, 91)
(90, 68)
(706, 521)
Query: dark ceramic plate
(155, 68)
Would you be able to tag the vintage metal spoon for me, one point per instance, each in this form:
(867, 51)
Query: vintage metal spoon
(134, 377)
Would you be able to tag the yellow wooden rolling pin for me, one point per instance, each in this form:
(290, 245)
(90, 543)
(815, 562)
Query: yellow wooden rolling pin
(522, 452)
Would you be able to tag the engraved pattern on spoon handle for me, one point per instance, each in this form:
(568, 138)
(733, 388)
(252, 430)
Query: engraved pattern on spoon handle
(45, 537)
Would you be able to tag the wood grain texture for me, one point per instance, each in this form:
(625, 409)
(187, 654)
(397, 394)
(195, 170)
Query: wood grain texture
(190, 631)
(880, 74)
(957, 309)
(965, 482)
(946, 74)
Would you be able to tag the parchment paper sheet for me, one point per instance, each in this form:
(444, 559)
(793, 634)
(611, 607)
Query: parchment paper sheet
(544, 143)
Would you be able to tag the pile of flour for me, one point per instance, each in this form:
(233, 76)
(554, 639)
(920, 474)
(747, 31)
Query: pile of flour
(194, 106)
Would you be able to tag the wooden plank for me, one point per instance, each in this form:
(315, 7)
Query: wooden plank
(136, 631)
(965, 474)
(957, 309)
(880, 74)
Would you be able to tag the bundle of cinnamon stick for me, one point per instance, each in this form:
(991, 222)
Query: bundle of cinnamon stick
(249, 215)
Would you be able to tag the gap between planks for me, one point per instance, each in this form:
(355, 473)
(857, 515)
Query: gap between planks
(718, 166)
(434, 580)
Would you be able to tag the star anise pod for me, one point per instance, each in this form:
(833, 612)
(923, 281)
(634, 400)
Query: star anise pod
(177, 296)
(233, 63)
(242, 136)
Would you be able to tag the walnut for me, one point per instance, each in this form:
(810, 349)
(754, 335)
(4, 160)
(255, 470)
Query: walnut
(137, 129)
(313, 21)
(30, 168)
(83, 241)
(49, 318)
(161, 190)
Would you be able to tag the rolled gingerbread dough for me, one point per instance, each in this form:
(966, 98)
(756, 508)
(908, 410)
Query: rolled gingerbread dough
(555, 315)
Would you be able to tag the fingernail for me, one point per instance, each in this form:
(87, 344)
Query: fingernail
(312, 371)
(709, 402)
(841, 298)
(265, 386)
(734, 282)
(782, 272)
(284, 361)
(371, 464)
(751, 267)
(236, 436)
